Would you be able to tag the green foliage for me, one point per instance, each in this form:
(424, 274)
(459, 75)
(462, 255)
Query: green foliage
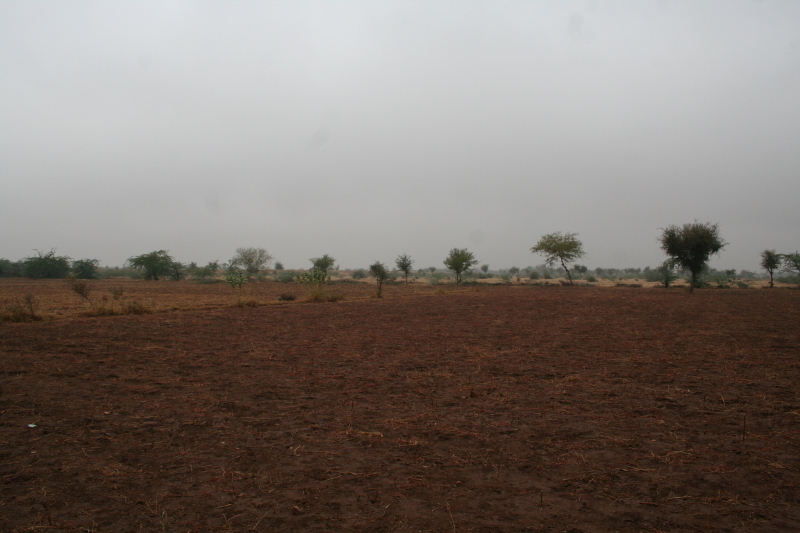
(9, 269)
(314, 283)
(359, 274)
(591, 278)
(485, 269)
(460, 260)
(533, 274)
(771, 261)
(155, 265)
(235, 278)
(378, 271)
(403, 263)
(791, 264)
(208, 271)
(46, 265)
(513, 271)
(285, 276)
(252, 260)
(691, 245)
(580, 269)
(323, 263)
(176, 271)
(85, 268)
(560, 247)
(278, 266)
(666, 272)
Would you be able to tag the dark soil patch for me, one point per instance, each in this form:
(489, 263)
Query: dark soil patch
(499, 409)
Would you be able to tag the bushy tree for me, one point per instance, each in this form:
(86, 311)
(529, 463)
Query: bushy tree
(459, 261)
(323, 263)
(403, 263)
(251, 260)
(770, 261)
(10, 269)
(45, 265)
(791, 264)
(155, 265)
(485, 268)
(278, 266)
(85, 268)
(691, 245)
(378, 271)
(560, 247)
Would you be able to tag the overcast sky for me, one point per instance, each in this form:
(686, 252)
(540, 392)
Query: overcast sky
(365, 130)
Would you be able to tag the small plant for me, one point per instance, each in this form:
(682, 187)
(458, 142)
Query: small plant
(590, 278)
(313, 283)
(80, 287)
(378, 271)
(286, 297)
(235, 278)
(360, 274)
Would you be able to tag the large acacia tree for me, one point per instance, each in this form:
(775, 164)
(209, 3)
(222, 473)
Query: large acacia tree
(691, 246)
(560, 247)
(155, 264)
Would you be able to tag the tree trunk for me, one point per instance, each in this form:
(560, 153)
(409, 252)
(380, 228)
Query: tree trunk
(693, 282)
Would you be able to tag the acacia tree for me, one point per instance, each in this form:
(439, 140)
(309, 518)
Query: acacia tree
(560, 247)
(251, 260)
(404, 263)
(85, 268)
(46, 265)
(459, 261)
(323, 263)
(791, 264)
(155, 264)
(691, 245)
(378, 271)
(770, 261)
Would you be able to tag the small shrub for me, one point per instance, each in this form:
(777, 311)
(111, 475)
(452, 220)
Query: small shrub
(135, 308)
(246, 302)
(360, 274)
(591, 279)
(285, 276)
(25, 310)
(286, 297)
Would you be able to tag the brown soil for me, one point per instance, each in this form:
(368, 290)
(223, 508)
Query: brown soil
(486, 409)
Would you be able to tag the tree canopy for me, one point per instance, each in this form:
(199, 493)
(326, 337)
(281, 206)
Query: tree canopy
(45, 265)
(691, 245)
(154, 264)
(251, 260)
(564, 248)
(770, 261)
(404, 263)
(378, 271)
(459, 261)
(323, 263)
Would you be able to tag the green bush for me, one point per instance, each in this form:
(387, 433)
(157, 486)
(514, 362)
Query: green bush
(46, 265)
(360, 274)
(591, 278)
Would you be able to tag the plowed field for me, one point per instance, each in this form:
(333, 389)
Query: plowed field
(485, 409)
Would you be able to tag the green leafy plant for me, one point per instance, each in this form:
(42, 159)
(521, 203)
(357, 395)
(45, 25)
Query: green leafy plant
(404, 263)
(323, 263)
(252, 260)
(46, 265)
(691, 246)
(459, 261)
(791, 264)
(378, 271)
(235, 278)
(85, 268)
(560, 247)
(155, 265)
(314, 285)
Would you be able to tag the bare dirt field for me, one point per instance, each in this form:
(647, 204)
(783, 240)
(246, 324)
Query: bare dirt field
(564, 409)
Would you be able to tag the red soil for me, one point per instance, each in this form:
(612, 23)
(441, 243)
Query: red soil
(491, 409)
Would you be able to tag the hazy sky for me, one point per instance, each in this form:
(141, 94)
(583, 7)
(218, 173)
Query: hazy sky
(369, 129)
